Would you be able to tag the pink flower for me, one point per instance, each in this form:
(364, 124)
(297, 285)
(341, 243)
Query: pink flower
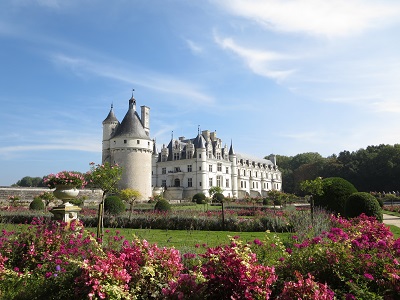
(369, 276)
(257, 242)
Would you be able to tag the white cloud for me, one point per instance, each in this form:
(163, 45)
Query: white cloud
(155, 81)
(53, 140)
(333, 18)
(256, 60)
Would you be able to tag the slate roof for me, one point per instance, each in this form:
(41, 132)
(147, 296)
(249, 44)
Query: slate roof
(111, 117)
(131, 126)
(253, 158)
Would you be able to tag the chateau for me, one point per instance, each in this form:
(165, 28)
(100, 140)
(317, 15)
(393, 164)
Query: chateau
(185, 166)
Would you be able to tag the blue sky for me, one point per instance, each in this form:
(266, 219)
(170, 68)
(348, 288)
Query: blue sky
(275, 76)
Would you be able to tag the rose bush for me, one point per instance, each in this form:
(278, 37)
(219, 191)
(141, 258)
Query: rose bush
(71, 178)
(355, 259)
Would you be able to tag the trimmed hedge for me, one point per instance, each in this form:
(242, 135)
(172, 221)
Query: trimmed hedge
(218, 197)
(199, 198)
(162, 205)
(336, 190)
(36, 204)
(363, 203)
(114, 205)
(167, 222)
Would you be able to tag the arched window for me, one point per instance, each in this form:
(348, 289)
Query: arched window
(177, 182)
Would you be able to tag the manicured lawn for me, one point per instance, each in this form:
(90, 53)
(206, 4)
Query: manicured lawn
(186, 240)
(395, 230)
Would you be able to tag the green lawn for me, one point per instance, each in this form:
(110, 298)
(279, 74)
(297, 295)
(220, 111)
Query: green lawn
(186, 239)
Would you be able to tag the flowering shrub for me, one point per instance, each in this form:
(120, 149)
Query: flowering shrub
(75, 179)
(356, 256)
(229, 272)
(392, 208)
(355, 259)
(13, 198)
(306, 289)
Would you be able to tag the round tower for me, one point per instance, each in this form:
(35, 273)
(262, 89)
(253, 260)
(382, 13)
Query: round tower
(154, 165)
(201, 163)
(109, 125)
(132, 148)
(234, 176)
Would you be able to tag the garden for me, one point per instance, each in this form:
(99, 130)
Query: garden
(248, 249)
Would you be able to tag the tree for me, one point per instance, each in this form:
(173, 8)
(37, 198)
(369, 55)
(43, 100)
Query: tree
(214, 190)
(313, 188)
(47, 197)
(130, 196)
(28, 181)
(106, 178)
(336, 190)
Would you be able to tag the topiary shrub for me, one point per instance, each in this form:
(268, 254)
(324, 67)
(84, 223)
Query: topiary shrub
(277, 201)
(199, 198)
(36, 204)
(162, 205)
(363, 203)
(336, 190)
(218, 197)
(114, 205)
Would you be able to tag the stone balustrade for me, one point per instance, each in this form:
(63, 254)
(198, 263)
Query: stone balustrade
(26, 195)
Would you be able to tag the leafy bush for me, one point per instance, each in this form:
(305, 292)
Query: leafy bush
(76, 201)
(355, 259)
(199, 198)
(388, 198)
(363, 203)
(277, 201)
(218, 197)
(265, 201)
(162, 205)
(336, 190)
(36, 204)
(114, 205)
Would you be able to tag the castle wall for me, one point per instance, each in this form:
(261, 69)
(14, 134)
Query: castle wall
(26, 195)
(136, 172)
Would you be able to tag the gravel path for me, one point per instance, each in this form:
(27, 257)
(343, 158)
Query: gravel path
(391, 220)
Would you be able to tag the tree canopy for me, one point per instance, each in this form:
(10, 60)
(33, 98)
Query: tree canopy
(375, 168)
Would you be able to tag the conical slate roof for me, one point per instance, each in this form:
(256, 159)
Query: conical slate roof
(199, 141)
(131, 126)
(231, 151)
(111, 118)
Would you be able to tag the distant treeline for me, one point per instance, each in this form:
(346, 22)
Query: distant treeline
(376, 168)
(28, 181)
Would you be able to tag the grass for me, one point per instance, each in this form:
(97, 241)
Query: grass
(395, 230)
(392, 213)
(183, 240)
(186, 240)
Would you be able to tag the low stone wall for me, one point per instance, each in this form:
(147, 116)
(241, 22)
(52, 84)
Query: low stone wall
(26, 195)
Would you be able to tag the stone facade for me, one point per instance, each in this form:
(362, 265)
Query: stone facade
(128, 144)
(26, 195)
(184, 167)
(188, 166)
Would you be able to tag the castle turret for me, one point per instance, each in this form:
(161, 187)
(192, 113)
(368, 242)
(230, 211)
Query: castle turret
(201, 163)
(132, 148)
(109, 125)
(154, 159)
(234, 174)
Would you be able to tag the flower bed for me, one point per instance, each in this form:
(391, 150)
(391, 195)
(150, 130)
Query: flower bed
(356, 259)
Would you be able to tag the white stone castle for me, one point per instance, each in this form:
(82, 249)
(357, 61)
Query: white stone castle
(185, 166)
